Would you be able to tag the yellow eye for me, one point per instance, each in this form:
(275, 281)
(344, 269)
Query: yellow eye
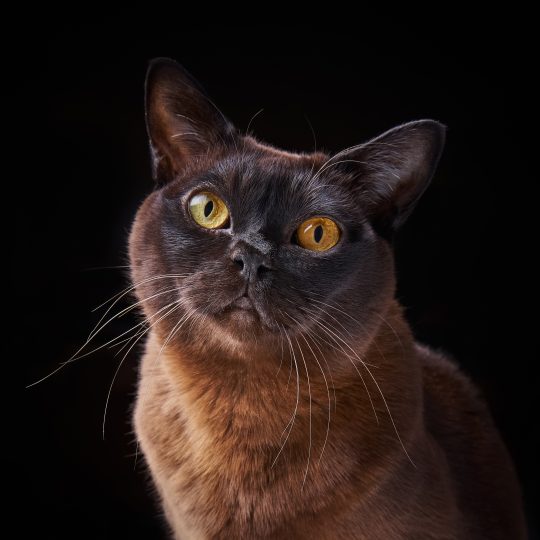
(208, 210)
(318, 234)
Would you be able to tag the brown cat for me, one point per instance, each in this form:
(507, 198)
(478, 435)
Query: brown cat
(282, 394)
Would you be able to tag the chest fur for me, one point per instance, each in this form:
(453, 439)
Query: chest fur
(214, 471)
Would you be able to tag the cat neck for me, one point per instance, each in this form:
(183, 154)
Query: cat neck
(258, 406)
(262, 436)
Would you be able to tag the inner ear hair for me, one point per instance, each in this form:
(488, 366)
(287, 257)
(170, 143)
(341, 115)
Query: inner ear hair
(391, 172)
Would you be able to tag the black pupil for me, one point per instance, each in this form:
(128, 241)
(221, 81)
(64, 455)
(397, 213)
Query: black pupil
(318, 233)
(208, 207)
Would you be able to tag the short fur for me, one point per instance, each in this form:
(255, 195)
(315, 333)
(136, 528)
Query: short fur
(314, 414)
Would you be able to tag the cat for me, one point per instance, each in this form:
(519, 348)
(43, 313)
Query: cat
(281, 392)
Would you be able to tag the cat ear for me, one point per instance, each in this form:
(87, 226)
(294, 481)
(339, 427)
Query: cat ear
(392, 171)
(182, 122)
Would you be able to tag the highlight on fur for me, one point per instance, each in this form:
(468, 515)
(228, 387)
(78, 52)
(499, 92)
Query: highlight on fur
(281, 392)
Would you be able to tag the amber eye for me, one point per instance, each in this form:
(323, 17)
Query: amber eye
(208, 210)
(318, 234)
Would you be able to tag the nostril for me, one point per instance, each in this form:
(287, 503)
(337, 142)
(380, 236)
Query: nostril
(263, 270)
(238, 261)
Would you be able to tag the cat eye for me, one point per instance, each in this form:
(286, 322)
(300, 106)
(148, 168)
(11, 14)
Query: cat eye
(318, 234)
(208, 210)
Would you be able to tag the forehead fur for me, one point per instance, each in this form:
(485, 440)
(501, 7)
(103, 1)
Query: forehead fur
(263, 180)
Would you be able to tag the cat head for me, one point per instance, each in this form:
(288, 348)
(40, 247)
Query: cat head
(241, 243)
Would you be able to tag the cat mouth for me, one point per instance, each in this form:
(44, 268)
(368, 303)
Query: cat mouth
(243, 307)
(243, 302)
(246, 315)
(244, 312)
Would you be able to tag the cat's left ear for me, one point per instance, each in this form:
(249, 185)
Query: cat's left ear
(391, 172)
(182, 122)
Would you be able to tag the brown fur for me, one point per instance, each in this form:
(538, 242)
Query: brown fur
(412, 452)
(210, 438)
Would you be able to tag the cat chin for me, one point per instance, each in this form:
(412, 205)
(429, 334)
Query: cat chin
(239, 330)
(245, 318)
(242, 318)
(244, 325)
(234, 339)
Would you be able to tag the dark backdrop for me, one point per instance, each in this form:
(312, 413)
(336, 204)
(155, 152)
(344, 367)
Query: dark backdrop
(89, 171)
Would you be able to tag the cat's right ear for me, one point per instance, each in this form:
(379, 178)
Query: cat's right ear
(182, 123)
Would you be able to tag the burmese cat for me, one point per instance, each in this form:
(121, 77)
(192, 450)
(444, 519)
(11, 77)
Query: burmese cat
(281, 393)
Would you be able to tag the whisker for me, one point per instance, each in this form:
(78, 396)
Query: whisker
(281, 342)
(251, 120)
(315, 340)
(186, 133)
(117, 315)
(358, 322)
(310, 428)
(328, 165)
(135, 285)
(382, 396)
(312, 133)
(74, 358)
(97, 329)
(116, 267)
(291, 348)
(125, 356)
(331, 335)
(327, 391)
(393, 331)
(174, 331)
(321, 310)
(136, 455)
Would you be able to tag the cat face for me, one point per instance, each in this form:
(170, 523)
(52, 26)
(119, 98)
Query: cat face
(241, 243)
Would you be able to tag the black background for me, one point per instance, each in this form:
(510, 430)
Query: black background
(457, 256)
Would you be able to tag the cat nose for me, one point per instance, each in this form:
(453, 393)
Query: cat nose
(251, 264)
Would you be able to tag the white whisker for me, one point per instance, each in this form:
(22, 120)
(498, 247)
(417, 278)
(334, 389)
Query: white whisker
(382, 396)
(325, 382)
(291, 348)
(99, 327)
(174, 308)
(331, 335)
(310, 428)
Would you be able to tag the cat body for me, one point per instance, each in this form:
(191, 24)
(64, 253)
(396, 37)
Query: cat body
(282, 394)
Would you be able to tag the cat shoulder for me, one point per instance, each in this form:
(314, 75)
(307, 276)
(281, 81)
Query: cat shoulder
(445, 383)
